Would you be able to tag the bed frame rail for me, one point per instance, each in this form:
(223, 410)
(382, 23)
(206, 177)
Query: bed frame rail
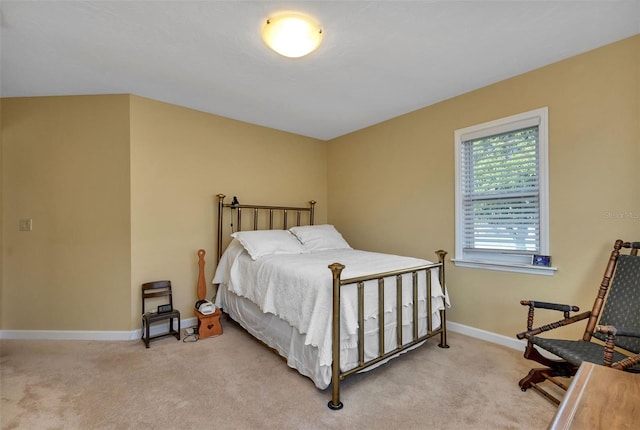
(336, 269)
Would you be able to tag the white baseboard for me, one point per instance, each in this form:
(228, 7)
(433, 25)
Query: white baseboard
(90, 334)
(64, 335)
(499, 339)
(488, 336)
(477, 333)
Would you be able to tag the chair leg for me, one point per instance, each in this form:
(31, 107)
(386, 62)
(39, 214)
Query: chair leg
(147, 334)
(176, 334)
(539, 375)
(535, 376)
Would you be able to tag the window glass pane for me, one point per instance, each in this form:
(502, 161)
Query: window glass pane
(500, 186)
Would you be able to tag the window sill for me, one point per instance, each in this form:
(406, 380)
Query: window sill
(506, 267)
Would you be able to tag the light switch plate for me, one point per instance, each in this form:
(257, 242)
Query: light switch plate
(26, 224)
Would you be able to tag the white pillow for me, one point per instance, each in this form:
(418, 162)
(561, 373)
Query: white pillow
(319, 237)
(259, 243)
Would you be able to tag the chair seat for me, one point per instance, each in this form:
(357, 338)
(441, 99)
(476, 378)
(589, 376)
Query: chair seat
(577, 351)
(153, 317)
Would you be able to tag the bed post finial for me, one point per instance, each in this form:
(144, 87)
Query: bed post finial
(312, 204)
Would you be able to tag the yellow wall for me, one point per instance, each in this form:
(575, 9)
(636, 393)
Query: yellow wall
(121, 191)
(180, 160)
(391, 186)
(66, 166)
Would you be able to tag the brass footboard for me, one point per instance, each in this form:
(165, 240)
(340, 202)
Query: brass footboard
(336, 268)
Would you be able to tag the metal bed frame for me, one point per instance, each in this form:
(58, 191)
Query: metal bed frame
(336, 269)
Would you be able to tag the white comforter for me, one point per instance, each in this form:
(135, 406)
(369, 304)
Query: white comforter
(298, 288)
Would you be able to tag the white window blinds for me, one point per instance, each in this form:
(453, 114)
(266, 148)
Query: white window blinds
(501, 192)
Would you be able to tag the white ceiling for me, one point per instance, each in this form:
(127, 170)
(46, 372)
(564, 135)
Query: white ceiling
(378, 60)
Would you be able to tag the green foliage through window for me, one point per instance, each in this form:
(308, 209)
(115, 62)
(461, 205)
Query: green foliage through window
(500, 185)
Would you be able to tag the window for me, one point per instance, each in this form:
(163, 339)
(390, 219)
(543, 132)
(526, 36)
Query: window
(502, 193)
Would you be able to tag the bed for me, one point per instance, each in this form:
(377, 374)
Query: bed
(296, 286)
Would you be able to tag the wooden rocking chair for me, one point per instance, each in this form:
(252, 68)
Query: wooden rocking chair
(614, 321)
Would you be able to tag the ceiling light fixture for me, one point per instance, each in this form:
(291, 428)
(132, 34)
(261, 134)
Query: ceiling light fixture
(292, 34)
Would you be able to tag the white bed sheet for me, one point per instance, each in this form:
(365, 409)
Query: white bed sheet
(299, 325)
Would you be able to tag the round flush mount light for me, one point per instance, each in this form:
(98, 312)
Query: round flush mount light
(292, 34)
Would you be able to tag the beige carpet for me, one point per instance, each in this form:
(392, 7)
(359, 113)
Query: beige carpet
(233, 382)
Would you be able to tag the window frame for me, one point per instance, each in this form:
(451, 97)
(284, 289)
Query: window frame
(498, 260)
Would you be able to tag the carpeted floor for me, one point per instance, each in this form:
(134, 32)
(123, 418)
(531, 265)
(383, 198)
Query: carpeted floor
(233, 382)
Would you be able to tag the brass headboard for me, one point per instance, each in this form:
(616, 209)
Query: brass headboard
(273, 212)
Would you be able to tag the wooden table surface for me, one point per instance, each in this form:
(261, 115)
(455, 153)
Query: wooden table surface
(600, 398)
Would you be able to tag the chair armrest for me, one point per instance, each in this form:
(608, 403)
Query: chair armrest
(617, 331)
(565, 309)
(551, 306)
(609, 346)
